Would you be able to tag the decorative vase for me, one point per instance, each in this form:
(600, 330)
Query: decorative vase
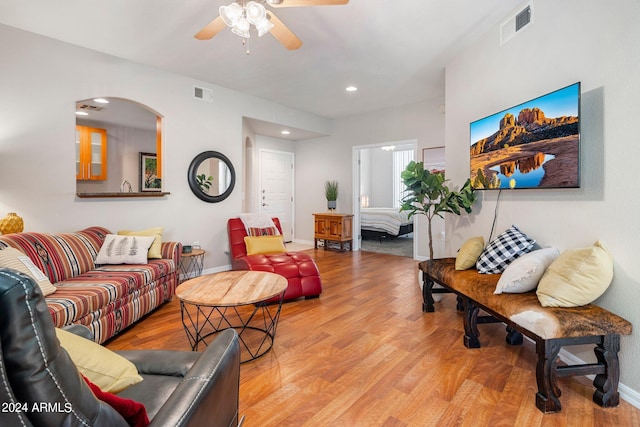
(11, 223)
(331, 204)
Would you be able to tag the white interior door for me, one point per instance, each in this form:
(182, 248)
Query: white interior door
(276, 188)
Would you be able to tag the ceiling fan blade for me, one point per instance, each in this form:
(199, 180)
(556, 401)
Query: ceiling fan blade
(211, 29)
(300, 3)
(283, 34)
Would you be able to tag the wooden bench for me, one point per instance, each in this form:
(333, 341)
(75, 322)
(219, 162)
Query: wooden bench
(549, 328)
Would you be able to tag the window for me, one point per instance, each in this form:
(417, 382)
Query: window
(401, 159)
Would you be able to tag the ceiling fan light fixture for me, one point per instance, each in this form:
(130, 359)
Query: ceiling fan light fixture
(255, 12)
(231, 14)
(263, 27)
(241, 28)
(274, 1)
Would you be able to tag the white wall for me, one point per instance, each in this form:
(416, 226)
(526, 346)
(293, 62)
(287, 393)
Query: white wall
(322, 159)
(572, 40)
(40, 81)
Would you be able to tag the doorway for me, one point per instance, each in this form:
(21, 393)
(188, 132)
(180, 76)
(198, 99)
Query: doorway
(377, 191)
(275, 188)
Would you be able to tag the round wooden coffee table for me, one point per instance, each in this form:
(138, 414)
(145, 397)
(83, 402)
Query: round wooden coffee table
(242, 300)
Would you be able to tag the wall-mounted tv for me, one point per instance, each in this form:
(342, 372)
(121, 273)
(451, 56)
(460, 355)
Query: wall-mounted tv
(533, 145)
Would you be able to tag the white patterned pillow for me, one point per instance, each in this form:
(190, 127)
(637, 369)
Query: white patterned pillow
(17, 260)
(124, 249)
(508, 246)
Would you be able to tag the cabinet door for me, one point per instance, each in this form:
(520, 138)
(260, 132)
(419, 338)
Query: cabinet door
(321, 227)
(335, 228)
(91, 153)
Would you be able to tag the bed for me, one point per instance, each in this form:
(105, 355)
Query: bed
(381, 223)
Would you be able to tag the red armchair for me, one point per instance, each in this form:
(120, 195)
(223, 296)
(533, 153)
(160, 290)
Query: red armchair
(299, 269)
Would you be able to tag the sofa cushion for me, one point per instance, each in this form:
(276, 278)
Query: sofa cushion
(60, 255)
(17, 260)
(264, 245)
(132, 411)
(124, 249)
(155, 248)
(108, 370)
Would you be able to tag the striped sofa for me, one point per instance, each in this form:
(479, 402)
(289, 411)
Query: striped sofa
(105, 298)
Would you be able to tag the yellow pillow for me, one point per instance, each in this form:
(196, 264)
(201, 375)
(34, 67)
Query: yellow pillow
(17, 260)
(469, 253)
(106, 369)
(577, 277)
(264, 245)
(155, 251)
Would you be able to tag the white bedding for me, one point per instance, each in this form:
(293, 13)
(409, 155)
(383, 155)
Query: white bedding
(388, 220)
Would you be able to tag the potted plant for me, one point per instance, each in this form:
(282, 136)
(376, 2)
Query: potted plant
(331, 193)
(428, 195)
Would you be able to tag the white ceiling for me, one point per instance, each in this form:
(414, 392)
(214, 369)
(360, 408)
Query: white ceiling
(394, 51)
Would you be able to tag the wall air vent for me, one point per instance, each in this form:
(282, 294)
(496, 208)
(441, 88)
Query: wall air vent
(516, 23)
(86, 107)
(203, 94)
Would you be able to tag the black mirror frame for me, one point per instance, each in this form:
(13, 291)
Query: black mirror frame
(193, 171)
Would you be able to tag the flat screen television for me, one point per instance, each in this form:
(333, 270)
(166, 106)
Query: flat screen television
(535, 144)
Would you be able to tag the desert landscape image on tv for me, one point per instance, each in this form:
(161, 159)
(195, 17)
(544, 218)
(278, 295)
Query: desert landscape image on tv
(532, 145)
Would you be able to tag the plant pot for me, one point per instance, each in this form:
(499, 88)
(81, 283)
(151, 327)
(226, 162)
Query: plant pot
(331, 204)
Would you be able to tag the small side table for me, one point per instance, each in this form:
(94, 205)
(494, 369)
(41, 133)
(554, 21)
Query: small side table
(191, 264)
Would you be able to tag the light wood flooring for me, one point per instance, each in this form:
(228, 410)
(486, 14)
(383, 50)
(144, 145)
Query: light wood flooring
(364, 354)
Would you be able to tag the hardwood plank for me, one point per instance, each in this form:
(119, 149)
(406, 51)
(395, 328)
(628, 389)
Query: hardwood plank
(364, 354)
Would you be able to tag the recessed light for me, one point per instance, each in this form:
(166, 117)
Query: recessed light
(81, 113)
(285, 132)
(101, 100)
(351, 89)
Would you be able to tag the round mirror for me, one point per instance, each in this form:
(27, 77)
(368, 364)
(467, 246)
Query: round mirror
(211, 176)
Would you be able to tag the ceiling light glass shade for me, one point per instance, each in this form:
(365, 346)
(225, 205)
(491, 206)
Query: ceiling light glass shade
(274, 1)
(242, 28)
(231, 14)
(263, 26)
(255, 12)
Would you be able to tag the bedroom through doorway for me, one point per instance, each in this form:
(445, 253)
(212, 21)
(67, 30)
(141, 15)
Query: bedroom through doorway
(378, 190)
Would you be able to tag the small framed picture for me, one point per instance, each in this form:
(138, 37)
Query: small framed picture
(149, 179)
(433, 159)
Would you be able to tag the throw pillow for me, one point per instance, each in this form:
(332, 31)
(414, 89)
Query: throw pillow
(508, 246)
(469, 253)
(524, 273)
(263, 231)
(264, 245)
(577, 277)
(133, 412)
(124, 249)
(13, 258)
(108, 370)
(155, 251)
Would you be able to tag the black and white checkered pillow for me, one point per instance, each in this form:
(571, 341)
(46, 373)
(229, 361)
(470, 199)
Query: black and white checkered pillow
(508, 246)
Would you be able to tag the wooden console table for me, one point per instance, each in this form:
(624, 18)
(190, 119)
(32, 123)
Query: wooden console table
(333, 228)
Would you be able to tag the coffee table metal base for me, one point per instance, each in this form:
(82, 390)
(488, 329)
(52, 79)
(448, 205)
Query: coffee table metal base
(255, 323)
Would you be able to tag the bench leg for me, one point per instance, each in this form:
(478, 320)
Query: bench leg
(513, 337)
(547, 398)
(471, 332)
(606, 394)
(427, 298)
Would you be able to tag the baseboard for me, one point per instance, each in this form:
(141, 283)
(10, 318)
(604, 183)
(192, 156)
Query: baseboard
(303, 242)
(216, 269)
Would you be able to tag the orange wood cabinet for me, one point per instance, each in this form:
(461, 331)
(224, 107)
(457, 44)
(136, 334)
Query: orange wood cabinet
(91, 154)
(333, 228)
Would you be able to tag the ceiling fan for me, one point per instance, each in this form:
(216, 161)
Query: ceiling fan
(241, 14)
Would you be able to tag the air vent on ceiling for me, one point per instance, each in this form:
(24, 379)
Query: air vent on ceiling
(203, 94)
(516, 23)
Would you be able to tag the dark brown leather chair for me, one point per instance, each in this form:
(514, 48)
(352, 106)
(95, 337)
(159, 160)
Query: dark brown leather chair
(179, 388)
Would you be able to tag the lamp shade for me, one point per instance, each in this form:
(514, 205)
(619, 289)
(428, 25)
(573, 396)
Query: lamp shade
(231, 14)
(255, 12)
(241, 28)
(263, 26)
